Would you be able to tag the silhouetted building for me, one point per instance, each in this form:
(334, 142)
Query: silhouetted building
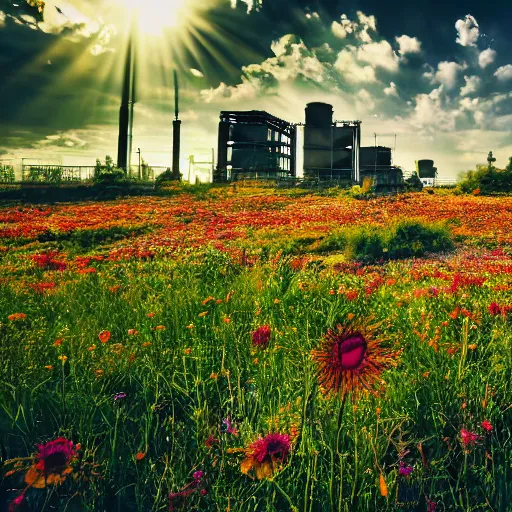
(330, 148)
(254, 144)
(426, 169)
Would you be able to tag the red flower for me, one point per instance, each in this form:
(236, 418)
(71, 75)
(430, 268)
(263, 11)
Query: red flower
(266, 455)
(104, 336)
(53, 463)
(494, 309)
(16, 502)
(261, 336)
(350, 359)
(486, 424)
(468, 438)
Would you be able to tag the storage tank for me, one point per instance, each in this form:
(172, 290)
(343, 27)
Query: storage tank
(426, 168)
(319, 114)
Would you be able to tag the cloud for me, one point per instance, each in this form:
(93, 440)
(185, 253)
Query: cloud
(359, 29)
(504, 73)
(467, 31)
(486, 57)
(379, 55)
(350, 71)
(2, 19)
(196, 73)
(472, 85)
(69, 139)
(408, 44)
(391, 90)
(447, 72)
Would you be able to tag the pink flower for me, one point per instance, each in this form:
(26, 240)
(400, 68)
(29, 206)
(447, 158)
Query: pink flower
(431, 505)
(230, 429)
(486, 424)
(405, 470)
(468, 438)
(16, 502)
(261, 336)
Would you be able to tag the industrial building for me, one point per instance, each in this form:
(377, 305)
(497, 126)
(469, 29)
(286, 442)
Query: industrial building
(255, 144)
(426, 172)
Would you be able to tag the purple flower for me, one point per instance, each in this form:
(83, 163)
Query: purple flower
(230, 429)
(119, 396)
(405, 470)
(198, 475)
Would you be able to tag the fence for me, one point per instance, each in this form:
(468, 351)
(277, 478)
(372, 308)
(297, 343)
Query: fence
(56, 173)
(7, 174)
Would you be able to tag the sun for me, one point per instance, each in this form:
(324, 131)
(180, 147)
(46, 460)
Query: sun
(153, 17)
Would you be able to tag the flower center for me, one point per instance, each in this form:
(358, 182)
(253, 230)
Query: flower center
(55, 462)
(351, 352)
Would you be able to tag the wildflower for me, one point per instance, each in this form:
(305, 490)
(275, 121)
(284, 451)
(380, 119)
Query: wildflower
(133, 332)
(140, 455)
(63, 359)
(190, 326)
(261, 336)
(16, 316)
(150, 315)
(472, 346)
(208, 299)
(276, 301)
(468, 438)
(49, 367)
(53, 463)
(383, 486)
(115, 288)
(91, 348)
(351, 295)
(350, 359)
(160, 328)
(58, 343)
(405, 470)
(187, 351)
(16, 502)
(99, 373)
(350, 316)
(486, 424)
(119, 396)
(226, 320)
(431, 506)
(146, 344)
(204, 313)
(104, 336)
(266, 455)
(198, 475)
(230, 429)
(494, 309)
(214, 376)
(211, 441)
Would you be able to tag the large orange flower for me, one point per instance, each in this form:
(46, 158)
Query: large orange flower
(351, 359)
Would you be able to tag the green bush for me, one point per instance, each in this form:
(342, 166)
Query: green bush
(407, 239)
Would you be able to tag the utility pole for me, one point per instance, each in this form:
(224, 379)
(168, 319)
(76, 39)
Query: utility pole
(140, 175)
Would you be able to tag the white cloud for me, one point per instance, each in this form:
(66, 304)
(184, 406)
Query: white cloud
(196, 73)
(486, 57)
(408, 44)
(244, 91)
(364, 101)
(446, 73)
(360, 28)
(351, 71)
(479, 117)
(472, 85)
(391, 90)
(467, 30)
(504, 73)
(379, 55)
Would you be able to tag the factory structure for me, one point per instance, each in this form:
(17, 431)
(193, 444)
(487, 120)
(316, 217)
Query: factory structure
(255, 144)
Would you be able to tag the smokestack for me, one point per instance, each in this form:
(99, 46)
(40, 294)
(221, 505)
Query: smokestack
(176, 130)
(124, 145)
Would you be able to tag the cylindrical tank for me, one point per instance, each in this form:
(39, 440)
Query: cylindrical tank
(319, 114)
(426, 169)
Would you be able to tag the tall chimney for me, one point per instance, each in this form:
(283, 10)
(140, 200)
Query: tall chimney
(176, 130)
(124, 144)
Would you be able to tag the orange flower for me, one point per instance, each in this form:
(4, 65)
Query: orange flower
(350, 316)
(91, 348)
(146, 344)
(104, 336)
(140, 455)
(133, 332)
(226, 320)
(208, 299)
(58, 343)
(49, 367)
(276, 301)
(99, 373)
(383, 486)
(16, 316)
(190, 326)
(187, 351)
(63, 359)
(204, 313)
(160, 328)
(150, 315)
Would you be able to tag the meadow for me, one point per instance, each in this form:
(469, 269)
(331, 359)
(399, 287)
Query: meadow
(222, 349)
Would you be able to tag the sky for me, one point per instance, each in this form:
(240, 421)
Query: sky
(431, 79)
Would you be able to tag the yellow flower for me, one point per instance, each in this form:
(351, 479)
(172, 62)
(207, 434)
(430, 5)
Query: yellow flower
(63, 359)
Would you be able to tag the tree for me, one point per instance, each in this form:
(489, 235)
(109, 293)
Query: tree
(19, 10)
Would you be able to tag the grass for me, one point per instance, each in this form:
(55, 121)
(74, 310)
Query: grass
(191, 365)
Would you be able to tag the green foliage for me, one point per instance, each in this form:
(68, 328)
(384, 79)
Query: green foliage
(406, 239)
(413, 183)
(487, 179)
(168, 176)
(107, 174)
